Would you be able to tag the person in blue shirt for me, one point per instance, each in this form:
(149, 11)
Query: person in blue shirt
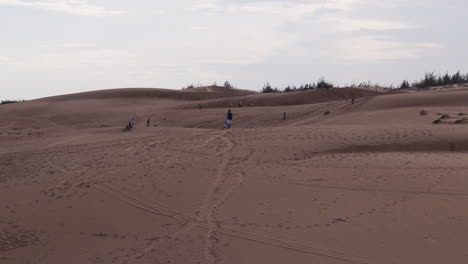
(229, 119)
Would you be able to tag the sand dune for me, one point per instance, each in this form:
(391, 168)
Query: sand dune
(287, 99)
(200, 93)
(375, 181)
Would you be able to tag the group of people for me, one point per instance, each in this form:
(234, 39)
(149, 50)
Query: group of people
(132, 123)
(227, 124)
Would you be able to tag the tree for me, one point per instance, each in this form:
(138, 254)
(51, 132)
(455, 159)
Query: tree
(457, 78)
(227, 85)
(3, 102)
(190, 86)
(405, 85)
(322, 84)
(288, 89)
(268, 89)
(446, 79)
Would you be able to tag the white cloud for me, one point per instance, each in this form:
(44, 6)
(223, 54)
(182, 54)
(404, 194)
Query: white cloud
(349, 24)
(84, 60)
(77, 45)
(244, 45)
(158, 12)
(75, 7)
(4, 60)
(292, 9)
(207, 4)
(368, 49)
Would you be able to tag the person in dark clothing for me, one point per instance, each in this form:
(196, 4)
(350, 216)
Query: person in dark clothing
(229, 118)
(283, 116)
(147, 122)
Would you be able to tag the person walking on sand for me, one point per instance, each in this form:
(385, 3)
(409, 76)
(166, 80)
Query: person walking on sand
(283, 116)
(229, 119)
(148, 122)
(133, 123)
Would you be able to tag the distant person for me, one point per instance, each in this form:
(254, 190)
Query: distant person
(283, 116)
(132, 123)
(352, 100)
(148, 122)
(229, 119)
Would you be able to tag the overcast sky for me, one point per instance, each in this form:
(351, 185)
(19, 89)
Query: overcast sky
(50, 47)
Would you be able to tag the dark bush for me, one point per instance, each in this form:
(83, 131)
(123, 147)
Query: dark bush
(405, 85)
(323, 85)
(11, 101)
(228, 85)
(433, 80)
(268, 89)
(190, 86)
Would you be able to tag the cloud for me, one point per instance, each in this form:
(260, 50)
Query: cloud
(158, 12)
(350, 24)
(293, 9)
(75, 7)
(368, 49)
(4, 60)
(77, 45)
(82, 60)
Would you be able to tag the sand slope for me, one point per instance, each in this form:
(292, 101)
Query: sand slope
(199, 93)
(369, 182)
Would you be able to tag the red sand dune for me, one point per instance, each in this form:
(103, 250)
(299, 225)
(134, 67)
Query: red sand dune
(371, 182)
(285, 99)
(200, 93)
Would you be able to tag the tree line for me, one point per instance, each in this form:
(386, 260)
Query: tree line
(191, 86)
(430, 80)
(322, 84)
(10, 101)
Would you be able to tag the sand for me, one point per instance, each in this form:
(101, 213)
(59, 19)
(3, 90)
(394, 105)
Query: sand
(371, 182)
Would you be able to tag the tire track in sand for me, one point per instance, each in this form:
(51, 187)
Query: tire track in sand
(206, 211)
(220, 190)
(232, 232)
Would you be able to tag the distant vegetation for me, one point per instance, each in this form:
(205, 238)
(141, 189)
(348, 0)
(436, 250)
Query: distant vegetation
(228, 85)
(268, 89)
(322, 84)
(191, 86)
(10, 101)
(429, 80)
